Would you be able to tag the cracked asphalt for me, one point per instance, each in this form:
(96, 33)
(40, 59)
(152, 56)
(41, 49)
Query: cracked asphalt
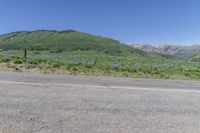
(81, 104)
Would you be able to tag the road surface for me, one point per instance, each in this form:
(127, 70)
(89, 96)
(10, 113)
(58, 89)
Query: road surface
(79, 104)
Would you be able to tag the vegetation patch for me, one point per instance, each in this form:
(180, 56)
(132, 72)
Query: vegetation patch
(95, 63)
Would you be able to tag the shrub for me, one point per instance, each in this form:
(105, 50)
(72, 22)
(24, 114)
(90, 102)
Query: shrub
(6, 59)
(18, 61)
(56, 65)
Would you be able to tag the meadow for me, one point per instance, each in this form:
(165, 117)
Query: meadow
(98, 63)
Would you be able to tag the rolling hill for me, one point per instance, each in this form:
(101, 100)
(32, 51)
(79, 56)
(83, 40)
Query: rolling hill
(68, 40)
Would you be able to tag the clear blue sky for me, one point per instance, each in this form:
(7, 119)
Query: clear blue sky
(137, 21)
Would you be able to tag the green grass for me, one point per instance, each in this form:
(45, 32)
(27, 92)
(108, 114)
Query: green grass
(97, 63)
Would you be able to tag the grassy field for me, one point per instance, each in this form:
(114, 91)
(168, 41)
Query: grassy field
(98, 63)
(73, 52)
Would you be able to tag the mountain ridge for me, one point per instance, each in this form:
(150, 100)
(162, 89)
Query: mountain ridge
(178, 50)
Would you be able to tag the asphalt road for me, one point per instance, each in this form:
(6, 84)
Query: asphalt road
(79, 104)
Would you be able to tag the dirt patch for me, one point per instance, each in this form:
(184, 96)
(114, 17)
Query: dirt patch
(35, 69)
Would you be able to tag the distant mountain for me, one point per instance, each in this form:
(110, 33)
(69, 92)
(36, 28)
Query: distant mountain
(146, 48)
(180, 51)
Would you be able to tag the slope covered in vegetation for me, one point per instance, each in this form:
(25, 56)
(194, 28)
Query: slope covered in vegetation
(75, 52)
(58, 41)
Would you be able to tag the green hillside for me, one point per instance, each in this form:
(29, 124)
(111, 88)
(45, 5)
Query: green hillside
(57, 41)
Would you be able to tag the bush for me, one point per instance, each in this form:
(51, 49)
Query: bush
(56, 65)
(6, 59)
(37, 61)
(88, 66)
(74, 69)
(18, 61)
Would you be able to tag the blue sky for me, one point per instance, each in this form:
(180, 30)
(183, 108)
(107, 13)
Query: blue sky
(137, 21)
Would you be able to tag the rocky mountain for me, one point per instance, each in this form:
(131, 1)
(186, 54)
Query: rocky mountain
(180, 51)
(146, 48)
